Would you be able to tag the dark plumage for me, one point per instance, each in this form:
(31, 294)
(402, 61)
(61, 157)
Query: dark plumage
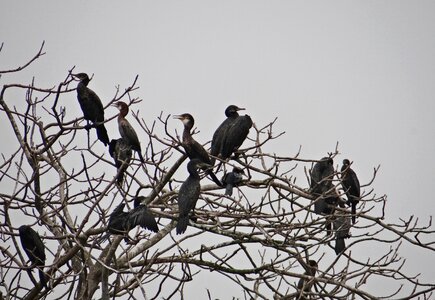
(341, 227)
(195, 150)
(232, 179)
(220, 134)
(121, 222)
(34, 248)
(321, 182)
(304, 286)
(120, 150)
(351, 186)
(126, 130)
(235, 135)
(91, 106)
(189, 193)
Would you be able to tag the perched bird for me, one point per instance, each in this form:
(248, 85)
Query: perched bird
(120, 150)
(195, 150)
(235, 135)
(121, 222)
(189, 193)
(34, 248)
(232, 179)
(341, 227)
(351, 186)
(91, 106)
(304, 286)
(321, 183)
(220, 134)
(126, 130)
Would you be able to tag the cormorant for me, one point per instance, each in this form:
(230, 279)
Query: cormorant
(126, 130)
(351, 186)
(34, 248)
(121, 222)
(189, 193)
(232, 179)
(321, 182)
(195, 150)
(341, 227)
(305, 286)
(219, 135)
(235, 135)
(120, 150)
(91, 106)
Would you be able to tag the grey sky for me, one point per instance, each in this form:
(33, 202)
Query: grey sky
(360, 73)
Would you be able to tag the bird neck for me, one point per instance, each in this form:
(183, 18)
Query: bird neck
(122, 113)
(186, 132)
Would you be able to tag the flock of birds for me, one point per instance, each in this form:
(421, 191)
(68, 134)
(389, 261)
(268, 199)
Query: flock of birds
(226, 141)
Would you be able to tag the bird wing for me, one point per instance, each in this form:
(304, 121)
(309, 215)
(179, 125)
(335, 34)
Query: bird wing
(142, 217)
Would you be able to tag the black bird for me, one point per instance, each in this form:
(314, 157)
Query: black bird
(121, 222)
(351, 186)
(232, 179)
(34, 248)
(235, 135)
(126, 130)
(91, 106)
(321, 182)
(189, 193)
(341, 226)
(120, 150)
(304, 286)
(219, 135)
(195, 150)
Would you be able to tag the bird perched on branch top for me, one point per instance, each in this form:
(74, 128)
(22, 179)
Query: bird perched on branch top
(321, 183)
(34, 248)
(126, 130)
(195, 150)
(121, 222)
(91, 106)
(189, 193)
(235, 135)
(221, 132)
(232, 179)
(351, 186)
(304, 286)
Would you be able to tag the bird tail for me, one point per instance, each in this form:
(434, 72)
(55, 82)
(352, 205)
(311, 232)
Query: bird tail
(182, 223)
(229, 190)
(140, 157)
(214, 178)
(339, 245)
(102, 134)
(353, 212)
(42, 277)
(120, 176)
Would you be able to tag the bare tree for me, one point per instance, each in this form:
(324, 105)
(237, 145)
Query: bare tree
(264, 239)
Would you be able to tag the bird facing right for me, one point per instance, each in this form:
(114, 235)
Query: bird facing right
(231, 112)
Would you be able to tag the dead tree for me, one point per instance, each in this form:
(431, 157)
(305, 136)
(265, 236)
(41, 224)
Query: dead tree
(56, 177)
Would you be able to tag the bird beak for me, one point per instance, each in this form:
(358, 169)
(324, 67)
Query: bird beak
(240, 108)
(177, 117)
(74, 76)
(115, 104)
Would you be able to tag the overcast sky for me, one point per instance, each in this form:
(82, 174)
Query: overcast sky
(358, 73)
